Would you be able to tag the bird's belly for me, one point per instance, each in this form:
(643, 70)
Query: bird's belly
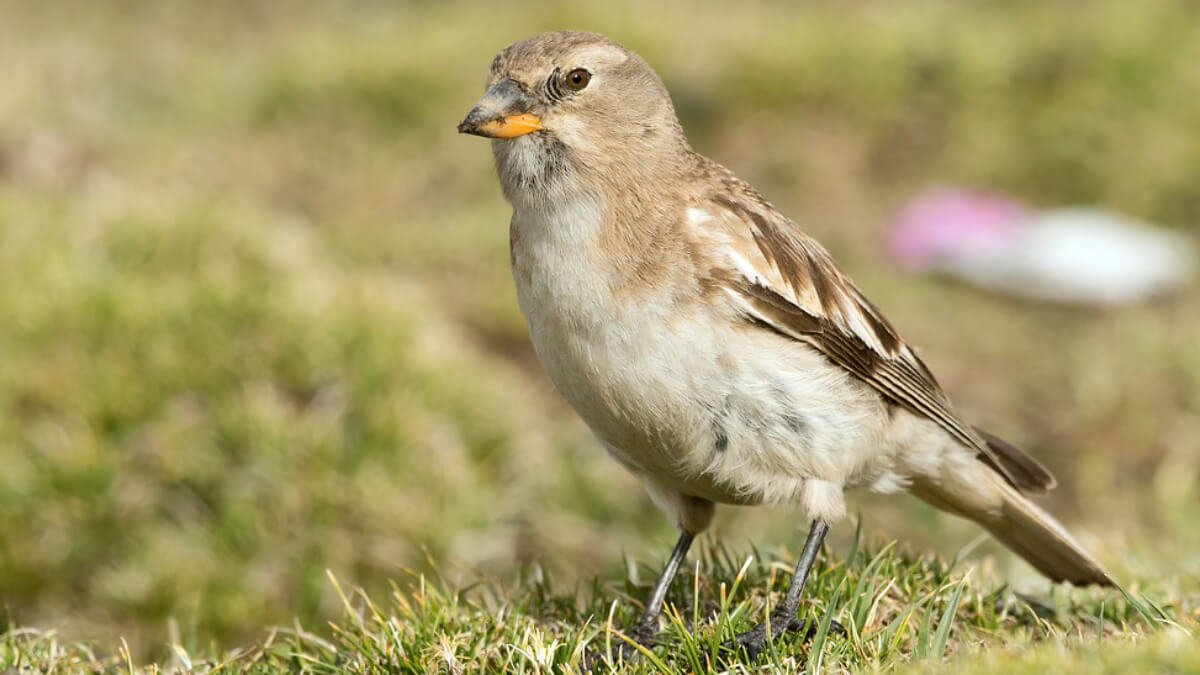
(634, 386)
(713, 409)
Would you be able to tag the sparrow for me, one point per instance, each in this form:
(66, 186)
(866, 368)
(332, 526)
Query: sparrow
(716, 350)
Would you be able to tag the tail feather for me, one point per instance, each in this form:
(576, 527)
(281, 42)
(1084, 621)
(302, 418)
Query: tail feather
(987, 498)
(1040, 539)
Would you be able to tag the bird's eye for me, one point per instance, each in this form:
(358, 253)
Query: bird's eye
(577, 79)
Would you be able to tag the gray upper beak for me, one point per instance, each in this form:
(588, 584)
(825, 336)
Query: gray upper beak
(503, 112)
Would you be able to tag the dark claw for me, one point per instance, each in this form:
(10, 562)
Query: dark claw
(835, 628)
(754, 640)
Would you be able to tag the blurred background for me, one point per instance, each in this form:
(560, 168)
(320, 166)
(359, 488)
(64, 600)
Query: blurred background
(256, 317)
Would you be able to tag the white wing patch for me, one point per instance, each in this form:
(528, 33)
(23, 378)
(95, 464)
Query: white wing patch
(745, 267)
(696, 216)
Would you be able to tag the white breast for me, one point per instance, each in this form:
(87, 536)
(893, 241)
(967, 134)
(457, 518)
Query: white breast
(604, 354)
(563, 290)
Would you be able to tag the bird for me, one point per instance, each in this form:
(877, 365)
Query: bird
(716, 350)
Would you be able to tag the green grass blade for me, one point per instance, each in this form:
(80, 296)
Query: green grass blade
(938, 648)
(816, 652)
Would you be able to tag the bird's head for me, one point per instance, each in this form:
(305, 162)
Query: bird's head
(572, 102)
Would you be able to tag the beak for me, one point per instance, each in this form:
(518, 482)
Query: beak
(503, 112)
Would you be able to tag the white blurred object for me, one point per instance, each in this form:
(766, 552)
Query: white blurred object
(1079, 255)
(1072, 255)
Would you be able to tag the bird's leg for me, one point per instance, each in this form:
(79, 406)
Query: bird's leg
(783, 617)
(646, 628)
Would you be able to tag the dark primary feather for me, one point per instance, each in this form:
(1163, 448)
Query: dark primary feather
(1031, 475)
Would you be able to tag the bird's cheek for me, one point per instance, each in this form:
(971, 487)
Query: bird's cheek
(574, 131)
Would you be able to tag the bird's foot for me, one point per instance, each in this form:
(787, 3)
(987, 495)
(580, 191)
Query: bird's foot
(622, 651)
(753, 641)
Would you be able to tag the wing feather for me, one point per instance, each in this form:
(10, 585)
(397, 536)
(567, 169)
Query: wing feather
(787, 282)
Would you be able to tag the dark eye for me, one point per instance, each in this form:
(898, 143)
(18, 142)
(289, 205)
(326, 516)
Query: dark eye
(577, 79)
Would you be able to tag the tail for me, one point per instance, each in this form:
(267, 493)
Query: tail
(979, 492)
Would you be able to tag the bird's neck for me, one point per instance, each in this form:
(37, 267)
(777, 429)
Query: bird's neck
(608, 244)
(622, 211)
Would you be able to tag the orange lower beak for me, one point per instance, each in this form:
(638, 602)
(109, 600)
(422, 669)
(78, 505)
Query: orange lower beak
(508, 127)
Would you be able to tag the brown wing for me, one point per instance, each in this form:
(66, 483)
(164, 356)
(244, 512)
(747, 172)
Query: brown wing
(789, 283)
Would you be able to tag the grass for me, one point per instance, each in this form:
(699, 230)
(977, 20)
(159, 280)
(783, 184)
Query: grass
(257, 321)
(898, 612)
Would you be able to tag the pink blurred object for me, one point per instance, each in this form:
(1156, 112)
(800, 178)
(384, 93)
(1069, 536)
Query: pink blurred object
(945, 221)
(1074, 255)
